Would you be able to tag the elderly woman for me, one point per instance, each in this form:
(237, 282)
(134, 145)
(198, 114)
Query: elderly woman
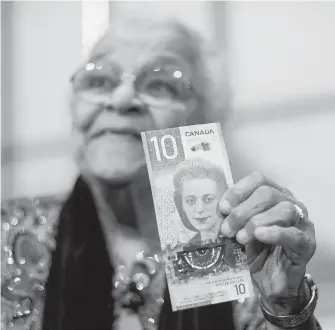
(144, 75)
(199, 185)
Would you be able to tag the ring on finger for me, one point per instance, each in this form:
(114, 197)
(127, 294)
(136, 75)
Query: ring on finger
(299, 212)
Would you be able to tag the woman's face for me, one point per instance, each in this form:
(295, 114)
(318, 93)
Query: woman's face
(137, 82)
(199, 200)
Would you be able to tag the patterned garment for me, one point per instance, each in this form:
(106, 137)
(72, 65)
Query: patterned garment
(28, 232)
(28, 237)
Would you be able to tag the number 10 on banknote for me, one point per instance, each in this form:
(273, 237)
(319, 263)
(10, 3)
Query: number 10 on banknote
(189, 172)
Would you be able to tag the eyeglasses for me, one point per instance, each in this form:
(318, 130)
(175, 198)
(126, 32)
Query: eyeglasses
(157, 83)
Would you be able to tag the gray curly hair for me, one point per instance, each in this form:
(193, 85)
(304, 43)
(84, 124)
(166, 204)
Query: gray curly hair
(208, 65)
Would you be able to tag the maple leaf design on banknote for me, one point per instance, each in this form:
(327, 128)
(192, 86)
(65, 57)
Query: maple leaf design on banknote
(205, 146)
(189, 172)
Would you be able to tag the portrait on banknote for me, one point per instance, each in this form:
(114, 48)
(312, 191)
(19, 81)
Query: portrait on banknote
(189, 172)
(198, 187)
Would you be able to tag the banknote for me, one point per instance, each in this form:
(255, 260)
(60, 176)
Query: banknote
(189, 172)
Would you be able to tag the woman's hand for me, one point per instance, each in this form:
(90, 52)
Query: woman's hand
(279, 241)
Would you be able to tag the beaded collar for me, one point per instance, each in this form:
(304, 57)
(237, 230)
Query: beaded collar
(28, 238)
(141, 290)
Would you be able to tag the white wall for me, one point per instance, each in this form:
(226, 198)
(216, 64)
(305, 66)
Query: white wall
(41, 47)
(280, 51)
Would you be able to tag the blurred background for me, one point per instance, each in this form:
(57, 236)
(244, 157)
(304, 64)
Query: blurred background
(281, 65)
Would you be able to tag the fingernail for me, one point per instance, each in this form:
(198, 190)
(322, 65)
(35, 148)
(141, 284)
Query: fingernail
(225, 207)
(242, 236)
(226, 229)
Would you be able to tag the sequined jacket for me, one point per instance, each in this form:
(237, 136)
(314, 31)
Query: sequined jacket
(30, 229)
(28, 234)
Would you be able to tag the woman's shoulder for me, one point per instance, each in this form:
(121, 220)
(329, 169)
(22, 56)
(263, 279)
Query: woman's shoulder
(28, 232)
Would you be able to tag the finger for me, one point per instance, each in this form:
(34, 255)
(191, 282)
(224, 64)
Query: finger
(262, 199)
(290, 238)
(243, 189)
(283, 214)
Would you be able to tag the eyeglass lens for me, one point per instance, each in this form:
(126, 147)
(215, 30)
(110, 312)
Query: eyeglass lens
(157, 82)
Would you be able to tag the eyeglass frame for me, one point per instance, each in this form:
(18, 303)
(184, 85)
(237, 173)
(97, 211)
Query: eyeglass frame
(134, 78)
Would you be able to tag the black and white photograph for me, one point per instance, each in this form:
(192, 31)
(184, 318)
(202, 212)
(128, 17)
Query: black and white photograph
(102, 104)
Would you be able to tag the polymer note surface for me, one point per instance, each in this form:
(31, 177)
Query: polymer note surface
(189, 172)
